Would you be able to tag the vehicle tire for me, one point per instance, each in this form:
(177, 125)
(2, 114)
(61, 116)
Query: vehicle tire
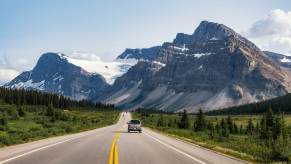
(140, 131)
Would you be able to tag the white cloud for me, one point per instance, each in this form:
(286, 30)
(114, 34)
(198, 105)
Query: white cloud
(10, 67)
(84, 56)
(6, 75)
(281, 44)
(277, 22)
(273, 33)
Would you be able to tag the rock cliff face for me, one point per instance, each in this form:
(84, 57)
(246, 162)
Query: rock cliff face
(54, 74)
(280, 59)
(140, 54)
(214, 67)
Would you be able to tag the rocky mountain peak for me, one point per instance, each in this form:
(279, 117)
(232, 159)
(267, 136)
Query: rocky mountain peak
(51, 57)
(140, 53)
(182, 38)
(212, 68)
(212, 31)
(55, 74)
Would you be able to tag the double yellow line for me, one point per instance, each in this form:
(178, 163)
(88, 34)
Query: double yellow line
(113, 156)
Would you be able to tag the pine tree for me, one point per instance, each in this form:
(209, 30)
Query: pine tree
(200, 122)
(21, 111)
(184, 122)
(267, 124)
(224, 128)
(250, 127)
(235, 128)
(50, 110)
(160, 121)
(230, 124)
(3, 119)
(211, 129)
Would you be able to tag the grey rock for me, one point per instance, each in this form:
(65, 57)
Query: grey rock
(140, 54)
(54, 74)
(215, 67)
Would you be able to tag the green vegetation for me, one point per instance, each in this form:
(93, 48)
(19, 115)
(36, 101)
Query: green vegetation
(31, 122)
(279, 104)
(24, 118)
(25, 97)
(261, 138)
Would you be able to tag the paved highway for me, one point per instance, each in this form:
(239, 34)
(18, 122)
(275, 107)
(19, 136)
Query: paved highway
(111, 145)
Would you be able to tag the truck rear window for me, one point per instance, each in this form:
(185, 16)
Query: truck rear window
(134, 122)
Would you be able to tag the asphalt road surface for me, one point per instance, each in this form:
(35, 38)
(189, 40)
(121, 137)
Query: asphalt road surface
(111, 145)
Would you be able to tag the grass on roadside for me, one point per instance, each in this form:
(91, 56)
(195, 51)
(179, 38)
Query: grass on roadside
(36, 124)
(242, 146)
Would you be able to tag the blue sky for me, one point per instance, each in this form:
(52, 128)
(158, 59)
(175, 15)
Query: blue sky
(106, 27)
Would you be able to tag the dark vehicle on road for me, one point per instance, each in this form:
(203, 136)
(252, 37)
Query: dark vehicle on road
(134, 125)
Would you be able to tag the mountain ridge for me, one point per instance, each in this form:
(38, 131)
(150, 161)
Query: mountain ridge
(191, 72)
(54, 74)
(214, 67)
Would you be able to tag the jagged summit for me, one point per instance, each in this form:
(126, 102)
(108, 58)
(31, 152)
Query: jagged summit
(212, 31)
(140, 53)
(55, 74)
(212, 68)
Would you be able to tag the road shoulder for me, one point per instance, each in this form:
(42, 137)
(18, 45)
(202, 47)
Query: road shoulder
(194, 144)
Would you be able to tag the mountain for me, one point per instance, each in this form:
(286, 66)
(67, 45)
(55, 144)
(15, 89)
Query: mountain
(280, 59)
(212, 68)
(109, 70)
(140, 54)
(53, 73)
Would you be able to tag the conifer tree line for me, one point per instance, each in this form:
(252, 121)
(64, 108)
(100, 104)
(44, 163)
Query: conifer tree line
(279, 104)
(30, 97)
(270, 130)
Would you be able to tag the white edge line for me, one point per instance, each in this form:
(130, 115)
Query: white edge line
(35, 150)
(48, 146)
(201, 147)
(173, 148)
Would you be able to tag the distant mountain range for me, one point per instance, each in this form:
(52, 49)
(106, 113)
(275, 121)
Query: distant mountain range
(212, 68)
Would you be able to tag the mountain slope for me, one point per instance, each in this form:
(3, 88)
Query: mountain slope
(109, 70)
(54, 74)
(140, 54)
(213, 68)
(280, 59)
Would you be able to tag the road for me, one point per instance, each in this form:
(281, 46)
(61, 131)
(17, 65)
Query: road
(111, 144)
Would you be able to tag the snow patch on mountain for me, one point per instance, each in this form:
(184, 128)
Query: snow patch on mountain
(58, 77)
(159, 63)
(29, 85)
(183, 48)
(200, 67)
(109, 70)
(285, 60)
(201, 54)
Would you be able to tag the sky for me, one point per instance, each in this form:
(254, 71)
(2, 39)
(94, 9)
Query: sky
(107, 27)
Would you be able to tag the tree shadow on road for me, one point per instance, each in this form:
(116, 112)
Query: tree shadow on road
(119, 131)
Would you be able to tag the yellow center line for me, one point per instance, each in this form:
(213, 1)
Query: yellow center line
(116, 154)
(113, 156)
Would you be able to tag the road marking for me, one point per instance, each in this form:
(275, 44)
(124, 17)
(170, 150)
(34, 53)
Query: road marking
(173, 148)
(48, 146)
(38, 149)
(116, 154)
(113, 156)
